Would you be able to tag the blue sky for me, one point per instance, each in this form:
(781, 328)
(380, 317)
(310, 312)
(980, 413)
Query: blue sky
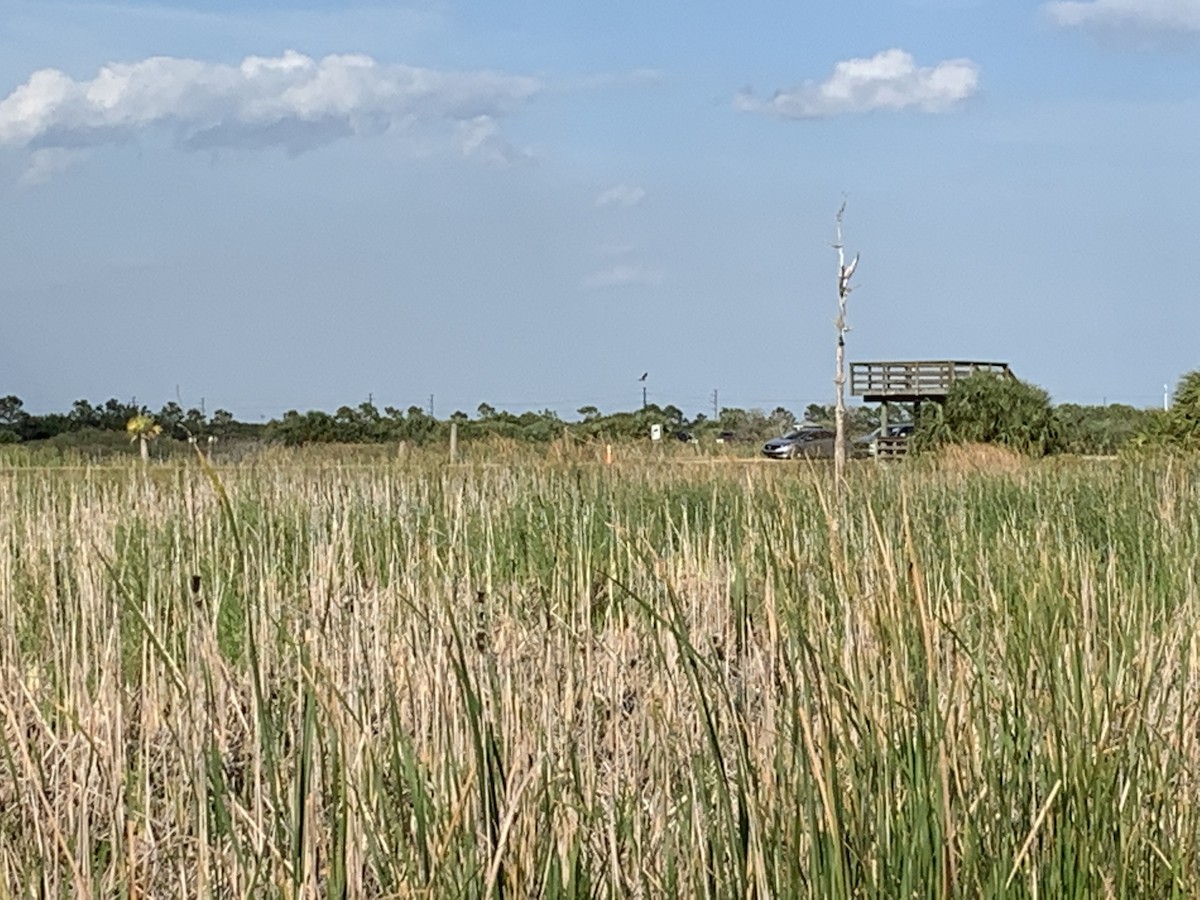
(280, 205)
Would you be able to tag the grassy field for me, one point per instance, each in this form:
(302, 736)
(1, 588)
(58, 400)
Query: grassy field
(672, 676)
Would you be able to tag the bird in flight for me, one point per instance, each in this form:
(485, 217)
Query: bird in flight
(645, 375)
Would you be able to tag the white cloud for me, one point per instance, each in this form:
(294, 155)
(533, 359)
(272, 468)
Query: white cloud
(621, 195)
(1139, 15)
(291, 101)
(47, 162)
(888, 80)
(482, 140)
(623, 275)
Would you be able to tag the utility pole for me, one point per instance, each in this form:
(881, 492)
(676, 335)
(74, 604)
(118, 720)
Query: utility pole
(431, 415)
(716, 406)
(643, 396)
(845, 272)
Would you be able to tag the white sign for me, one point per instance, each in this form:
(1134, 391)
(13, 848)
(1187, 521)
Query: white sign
(656, 432)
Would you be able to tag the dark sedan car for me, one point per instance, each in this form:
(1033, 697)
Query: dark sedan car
(867, 445)
(803, 443)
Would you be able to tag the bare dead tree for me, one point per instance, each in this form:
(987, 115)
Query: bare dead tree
(845, 272)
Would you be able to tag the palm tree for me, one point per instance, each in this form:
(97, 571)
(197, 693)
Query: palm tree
(143, 429)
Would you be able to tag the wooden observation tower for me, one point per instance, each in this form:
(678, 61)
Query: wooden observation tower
(911, 382)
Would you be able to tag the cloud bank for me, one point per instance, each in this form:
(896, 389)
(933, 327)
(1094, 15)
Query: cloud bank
(1139, 15)
(890, 80)
(291, 102)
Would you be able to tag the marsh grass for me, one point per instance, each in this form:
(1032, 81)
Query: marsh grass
(300, 677)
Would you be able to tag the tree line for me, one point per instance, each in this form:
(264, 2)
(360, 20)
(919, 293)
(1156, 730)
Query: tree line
(985, 408)
(87, 423)
(366, 423)
(981, 408)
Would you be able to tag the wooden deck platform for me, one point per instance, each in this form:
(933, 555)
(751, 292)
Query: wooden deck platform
(914, 381)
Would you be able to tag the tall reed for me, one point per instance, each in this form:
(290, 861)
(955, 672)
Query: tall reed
(663, 677)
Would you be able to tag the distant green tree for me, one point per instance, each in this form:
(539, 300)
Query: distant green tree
(222, 422)
(419, 426)
(170, 417)
(40, 428)
(289, 429)
(1103, 430)
(12, 411)
(361, 424)
(747, 424)
(83, 415)
(194, 422)
(1183, 418)
(817, 414)
(859, 419)
(782, 420)
(114, 414)
(673, 416)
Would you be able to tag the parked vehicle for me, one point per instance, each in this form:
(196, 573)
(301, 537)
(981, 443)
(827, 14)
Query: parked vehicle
(867, 445)
(803, 443)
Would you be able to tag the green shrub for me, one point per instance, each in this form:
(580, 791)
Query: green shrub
(989, 409)
(1179, 427)
(1103, 430)
(1184, 416)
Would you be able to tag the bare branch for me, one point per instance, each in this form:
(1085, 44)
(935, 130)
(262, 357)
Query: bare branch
(848, 272)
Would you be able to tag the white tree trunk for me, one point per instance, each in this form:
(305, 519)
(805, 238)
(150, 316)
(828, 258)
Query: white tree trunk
(839, 411)
(144, 447)
(839, 379)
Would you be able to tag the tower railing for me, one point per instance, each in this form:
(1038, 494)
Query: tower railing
(913, 381)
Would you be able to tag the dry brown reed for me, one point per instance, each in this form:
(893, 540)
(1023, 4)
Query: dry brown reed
(570, 679)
